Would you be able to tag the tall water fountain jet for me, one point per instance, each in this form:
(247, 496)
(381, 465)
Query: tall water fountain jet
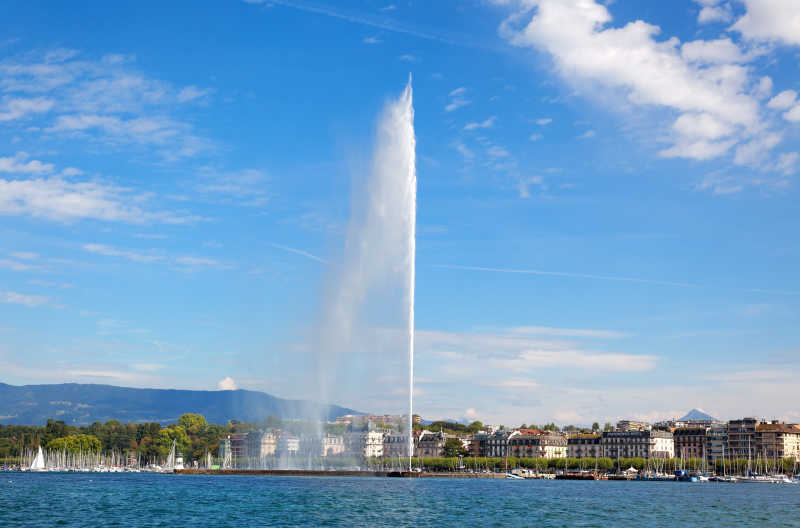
(368, 307)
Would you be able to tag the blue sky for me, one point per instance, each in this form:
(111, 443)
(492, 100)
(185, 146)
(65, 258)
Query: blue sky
(607, 221)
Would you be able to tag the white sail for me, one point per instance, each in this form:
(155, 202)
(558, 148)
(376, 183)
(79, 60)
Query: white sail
(38, 462)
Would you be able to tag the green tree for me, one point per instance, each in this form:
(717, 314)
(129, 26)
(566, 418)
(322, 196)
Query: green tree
(475, 426)
(453, 448)
(595, 426)
(75, 443)
(608, 427)
(192, 422)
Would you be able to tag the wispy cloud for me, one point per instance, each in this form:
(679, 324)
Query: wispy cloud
(300, 252)
(62, 200)
(457, 99)
(133, 256)
(104, 100)
(247, 187)
(380, 22)
(19, 164)
(31, 301)
(567, 274)
(474, 125)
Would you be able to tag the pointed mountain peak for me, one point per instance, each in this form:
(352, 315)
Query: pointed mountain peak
(697, 414)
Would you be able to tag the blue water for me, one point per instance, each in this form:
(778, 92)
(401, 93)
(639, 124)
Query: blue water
(29, 499)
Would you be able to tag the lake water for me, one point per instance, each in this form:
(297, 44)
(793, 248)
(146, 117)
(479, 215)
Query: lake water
(81, 499)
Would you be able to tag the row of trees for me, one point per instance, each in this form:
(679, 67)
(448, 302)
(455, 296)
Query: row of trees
(602, 465)
(192, 433)
(148, 441)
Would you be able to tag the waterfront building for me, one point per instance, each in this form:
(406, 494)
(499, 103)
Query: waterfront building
(638, 444)
(396, 445)
(632, 425)
(431, 444)
(717, 443)
(332, 445)
(497, 443)
(690, 442)
(480, 445)
(366, 444)
(530, 443)
(585, 446)
(238, 443)
(742, 437)
(261, 444)
(288, 444)
(776, 440)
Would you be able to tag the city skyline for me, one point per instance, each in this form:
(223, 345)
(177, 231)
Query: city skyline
(606, 214)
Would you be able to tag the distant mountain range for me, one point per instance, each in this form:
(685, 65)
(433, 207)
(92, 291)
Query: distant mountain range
(697, 414)
(78, 404)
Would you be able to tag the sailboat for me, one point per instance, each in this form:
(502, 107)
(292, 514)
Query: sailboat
(38, 462)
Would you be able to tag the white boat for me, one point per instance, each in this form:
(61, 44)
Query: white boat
(512, 476)
(38, 462)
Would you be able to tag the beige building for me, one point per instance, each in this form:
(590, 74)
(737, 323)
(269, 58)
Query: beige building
(777, 440)
(537, 444)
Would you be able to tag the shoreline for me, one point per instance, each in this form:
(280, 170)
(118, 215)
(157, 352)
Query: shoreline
(336, 473)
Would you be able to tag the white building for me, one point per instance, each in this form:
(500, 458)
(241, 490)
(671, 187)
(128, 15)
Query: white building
(638, 444)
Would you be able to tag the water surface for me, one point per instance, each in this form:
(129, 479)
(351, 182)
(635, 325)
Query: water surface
(80, 499)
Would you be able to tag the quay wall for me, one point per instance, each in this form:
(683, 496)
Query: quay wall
(312, 473)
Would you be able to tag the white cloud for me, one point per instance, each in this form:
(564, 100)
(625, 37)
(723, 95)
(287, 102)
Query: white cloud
(536, 137)
(710, 14)
(30, 301)
(65, 201)
(19, 164)
(457, 99)
(407, 57)
(133, 256)
(474, 125)
(372, 40)
(702, 80)
(465, 151)
(496, 151)
(15, 108)
(226, 384)
(455, 104)
(720, 51)
(25, 255)
(787, 163)
(793, 115)
(783, 100)
(147, 367)
(495, 355)
(568, 332)
(764, 88)
(16, 265)
(300, 252)
(588, 134)
(104, 100)
(245, 187)
(771, 20)
(190, 93)
(701, 126)
(544, 121)
(192, 264)
(71, 171)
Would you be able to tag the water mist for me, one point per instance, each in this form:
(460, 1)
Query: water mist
(364, 338)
